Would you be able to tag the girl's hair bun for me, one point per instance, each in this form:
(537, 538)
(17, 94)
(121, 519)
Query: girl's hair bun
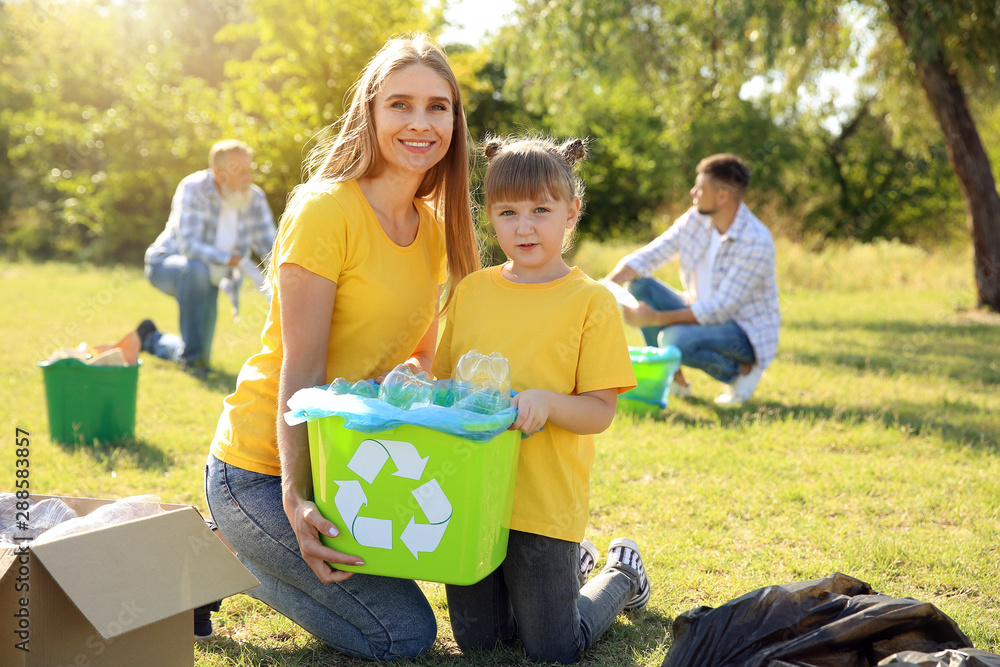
(492, 146)
(574, 150)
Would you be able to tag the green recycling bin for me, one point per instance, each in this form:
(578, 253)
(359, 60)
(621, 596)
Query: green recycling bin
(87, 403)
(414, 502)
(654, 368)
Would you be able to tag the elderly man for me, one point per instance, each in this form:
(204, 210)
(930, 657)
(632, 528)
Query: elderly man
(217, 217)
(726, 322)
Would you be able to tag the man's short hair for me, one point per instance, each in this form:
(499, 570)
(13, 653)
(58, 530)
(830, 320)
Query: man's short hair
(223, 149)
(726, 171)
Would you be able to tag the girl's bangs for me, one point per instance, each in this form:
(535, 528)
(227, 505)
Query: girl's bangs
(524, 177)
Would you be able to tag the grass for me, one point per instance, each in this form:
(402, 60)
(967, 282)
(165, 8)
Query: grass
(872, 447)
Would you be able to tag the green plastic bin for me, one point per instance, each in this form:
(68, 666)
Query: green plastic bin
(654, 367)
(413, 502)
(87, 403)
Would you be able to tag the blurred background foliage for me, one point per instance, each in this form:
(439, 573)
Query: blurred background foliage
(106, 104)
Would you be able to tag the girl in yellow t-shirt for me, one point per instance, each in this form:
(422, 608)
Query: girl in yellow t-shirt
(357, 269)
(562, 334)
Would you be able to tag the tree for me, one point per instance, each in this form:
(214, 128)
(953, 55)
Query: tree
(656, 84)
(939, 37)
(951, 52)
(101, 119)
(299, 67)
(107, 104)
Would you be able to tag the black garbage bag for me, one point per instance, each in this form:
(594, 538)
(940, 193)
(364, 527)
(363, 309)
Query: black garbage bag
(837, 621)
(967, 657)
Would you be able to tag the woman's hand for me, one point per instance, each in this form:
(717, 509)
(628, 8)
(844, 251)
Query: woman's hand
(308, 523)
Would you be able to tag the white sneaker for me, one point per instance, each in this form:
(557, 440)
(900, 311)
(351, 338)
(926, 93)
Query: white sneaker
(588, 560)
(742, 388)
(626, 552)
(680, 390)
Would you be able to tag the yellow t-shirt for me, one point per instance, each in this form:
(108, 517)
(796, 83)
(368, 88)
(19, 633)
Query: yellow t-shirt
(566, 336)
(386, 299)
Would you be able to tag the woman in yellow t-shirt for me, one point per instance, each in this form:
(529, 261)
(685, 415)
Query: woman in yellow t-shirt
(562, 334)
(363, 250)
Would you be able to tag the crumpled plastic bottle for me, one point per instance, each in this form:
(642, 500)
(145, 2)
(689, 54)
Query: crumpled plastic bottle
(364, 388)
(482, 382)
(402, 388)
(42, 516)
(120, 511)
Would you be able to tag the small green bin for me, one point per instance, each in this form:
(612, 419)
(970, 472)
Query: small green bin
(413, 502)
(654, 368)
(87, 403)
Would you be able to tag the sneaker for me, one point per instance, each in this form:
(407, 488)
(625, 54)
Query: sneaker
(588, 560)
(742, 388)
(203, 621)
(625, 552)
(679, 390)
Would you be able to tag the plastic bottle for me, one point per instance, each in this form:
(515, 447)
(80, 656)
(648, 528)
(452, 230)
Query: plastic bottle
(365, 388)
(405, 390)
(482, 382)
(42, 516)
(120, 511)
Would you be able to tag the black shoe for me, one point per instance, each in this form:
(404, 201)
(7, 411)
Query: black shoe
(203, 620)
(145, 329)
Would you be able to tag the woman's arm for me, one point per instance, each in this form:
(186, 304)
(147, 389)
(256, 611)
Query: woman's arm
(584, 414)
(306, 302)
(423, 355)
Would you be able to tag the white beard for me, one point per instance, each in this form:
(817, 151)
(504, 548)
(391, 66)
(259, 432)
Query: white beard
(236, 199)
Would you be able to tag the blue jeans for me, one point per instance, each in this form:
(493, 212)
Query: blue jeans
(197, 300)
(366, 616)
(535, 595)
(717, 349)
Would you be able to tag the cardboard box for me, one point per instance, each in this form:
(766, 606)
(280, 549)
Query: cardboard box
(119, 596)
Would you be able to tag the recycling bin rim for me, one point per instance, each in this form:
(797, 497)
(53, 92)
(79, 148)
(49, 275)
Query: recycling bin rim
(73, 361)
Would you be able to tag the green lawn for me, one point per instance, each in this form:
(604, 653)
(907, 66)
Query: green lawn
(872, 447)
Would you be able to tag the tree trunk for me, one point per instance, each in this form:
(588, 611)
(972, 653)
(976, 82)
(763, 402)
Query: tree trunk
(967, 155)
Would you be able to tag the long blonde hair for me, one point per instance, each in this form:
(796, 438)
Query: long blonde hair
(351, 151)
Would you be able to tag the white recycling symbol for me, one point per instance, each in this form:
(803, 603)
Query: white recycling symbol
(367, 462)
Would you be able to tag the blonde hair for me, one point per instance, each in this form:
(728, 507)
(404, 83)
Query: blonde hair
(351, 151)
(533, 168)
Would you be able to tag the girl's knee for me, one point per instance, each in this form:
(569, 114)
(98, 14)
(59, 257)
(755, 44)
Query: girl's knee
(566, 655)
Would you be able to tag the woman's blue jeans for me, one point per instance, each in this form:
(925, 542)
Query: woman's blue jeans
(535, 595)
(189, 281)
(717, 349)
(366, 616)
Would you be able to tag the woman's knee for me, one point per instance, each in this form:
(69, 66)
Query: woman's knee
(408, 642)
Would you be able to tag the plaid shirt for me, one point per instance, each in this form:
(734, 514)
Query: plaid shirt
(194, 217)
(744, 290)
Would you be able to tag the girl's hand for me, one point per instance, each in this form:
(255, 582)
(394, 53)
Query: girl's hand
(308, 523)
(532, 410)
